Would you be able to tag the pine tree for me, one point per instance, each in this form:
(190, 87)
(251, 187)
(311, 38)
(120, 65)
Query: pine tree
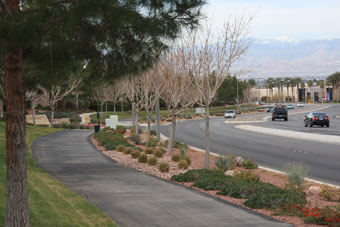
(48, 40)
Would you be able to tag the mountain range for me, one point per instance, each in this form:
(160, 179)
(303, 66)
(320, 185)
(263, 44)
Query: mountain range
(284, 57)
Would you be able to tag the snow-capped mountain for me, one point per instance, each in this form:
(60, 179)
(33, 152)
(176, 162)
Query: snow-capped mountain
(283, 57)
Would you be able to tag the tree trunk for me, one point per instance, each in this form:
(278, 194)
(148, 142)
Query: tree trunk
(17, 213)
(101, 107)
(136, 125)
(33, 113)
(52, 116)
(172, 132)
(158, 119)
(114, 107)
(133, 117)
(207, 138)
(121, 107)
(105, 107)
(148, 117)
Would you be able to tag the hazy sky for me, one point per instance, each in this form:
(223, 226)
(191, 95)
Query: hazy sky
(296, 19)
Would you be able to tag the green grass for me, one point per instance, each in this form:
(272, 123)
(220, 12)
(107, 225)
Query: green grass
(50, 202)
(164, 113)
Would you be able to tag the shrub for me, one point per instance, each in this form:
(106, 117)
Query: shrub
(186, 158)
(192, 175)
(73, 126)
(152, 161)
(121, 148)
(158, 153)
(183, 152)
(128, 150)
(164, 167)
(121, 128)
(213, 182)
(224, 163)
(180, 146)
(183, 164)
(249, 164)
(135, 138)
(135, 154)
(247, 176)
(148, 151)
(111, 140)
(325, 193)
(152, 142)
(75, 118)
(153, 133)
(143, 158)
(81, 127)
(175, 157)
(296, 172)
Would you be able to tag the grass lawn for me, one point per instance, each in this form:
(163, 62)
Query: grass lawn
(164, 113)
(50, 202)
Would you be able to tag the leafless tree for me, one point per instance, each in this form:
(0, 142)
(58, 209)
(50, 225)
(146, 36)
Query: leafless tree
(115, 91)
(101, 93)
(177, 87)
(33, 96)
(208, 61)
(136, 95)
(58, 92)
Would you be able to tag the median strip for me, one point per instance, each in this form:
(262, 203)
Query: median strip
(292, 134)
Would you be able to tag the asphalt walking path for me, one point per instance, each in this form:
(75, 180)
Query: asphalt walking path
(129, 197)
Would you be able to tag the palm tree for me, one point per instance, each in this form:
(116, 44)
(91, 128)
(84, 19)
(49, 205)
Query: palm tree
(334, 79)
(310, 84)
(303, 86)
(287, 83)
(270, 84)
(297, 81)
(321, 83)
(278, 83)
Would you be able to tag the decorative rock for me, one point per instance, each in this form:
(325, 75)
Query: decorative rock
(314, 190)
(239, 160)
(229, 173)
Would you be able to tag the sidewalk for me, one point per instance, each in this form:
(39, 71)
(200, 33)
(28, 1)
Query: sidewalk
(129, 197)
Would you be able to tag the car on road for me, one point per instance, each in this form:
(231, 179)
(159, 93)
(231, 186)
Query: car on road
(270, 108)
(279, 112)
(290, 106)
(230, 114)
(316, 118)
(300, 104)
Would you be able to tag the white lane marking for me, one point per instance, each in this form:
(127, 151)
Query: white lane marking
(292, 134)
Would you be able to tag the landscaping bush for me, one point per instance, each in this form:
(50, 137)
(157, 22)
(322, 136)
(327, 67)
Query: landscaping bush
(296, 172)
(158, 153)
(247, 176)
(152, 161)
(153, 133)
(135, 154)
(164, 167)
(143, 158)
(121, 148)
(183, 164)
(224, 163)
(121, 128)
(135, 138)
(214, 182)
(111, 140)
(175, 157)
(325, 193)
(152, 142)
(276, 198)
(249, 164)
(187, 159)
(148, 151)
(192, 175)
(180, 146)
(128, 150)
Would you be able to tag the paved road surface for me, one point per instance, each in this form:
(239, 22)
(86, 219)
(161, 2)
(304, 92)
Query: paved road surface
(268, 150)
(129, 197)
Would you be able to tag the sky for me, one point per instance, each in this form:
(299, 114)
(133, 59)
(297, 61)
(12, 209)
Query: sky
(294, 19)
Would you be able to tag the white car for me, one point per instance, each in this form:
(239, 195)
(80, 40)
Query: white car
(300, 104)
(230, 114)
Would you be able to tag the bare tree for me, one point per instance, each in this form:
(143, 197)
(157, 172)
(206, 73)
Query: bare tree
(114, 93)
(208, 61)
(102, 93)
(32, 96)
(177, 89)
(58, 92)
(136, 95)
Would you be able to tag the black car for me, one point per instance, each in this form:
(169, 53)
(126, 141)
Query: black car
(316, 118)
(279, 113)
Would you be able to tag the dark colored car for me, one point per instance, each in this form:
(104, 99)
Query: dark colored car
(316, 118)
(279, 113)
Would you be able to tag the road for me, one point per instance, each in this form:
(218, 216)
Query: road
(269, 150)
